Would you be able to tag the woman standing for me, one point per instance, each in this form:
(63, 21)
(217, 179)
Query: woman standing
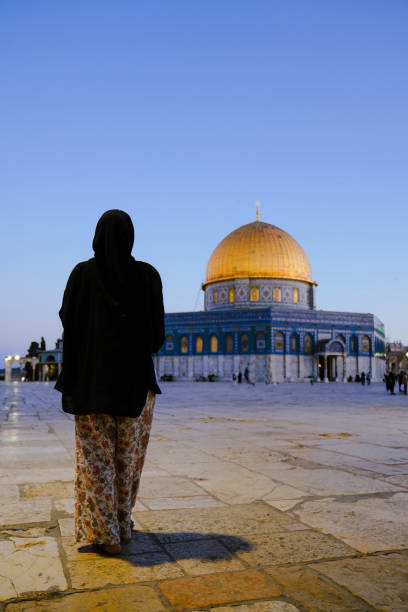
(113, 319)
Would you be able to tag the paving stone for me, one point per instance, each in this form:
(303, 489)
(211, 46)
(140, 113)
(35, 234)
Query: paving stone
(235, 484)
(312, 592)
(48, 489)
(31, 532)
(292, 547)
(367, 524)
(167, 486)
(285, 492)
(29, 565)
(400, 480)
(9, 493)
(232, 520)
(105, 571)
(24, 475)
(228, 587)
(24, 456)
(67, 526)
(380, 580)
(132, 598)
(283, 504)
(333, 482)
(259, 606)
(65, 505)
(35, 510)
(198, 501)
(203, 557)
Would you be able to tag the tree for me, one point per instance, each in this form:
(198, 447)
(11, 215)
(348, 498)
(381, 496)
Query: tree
(33, 350)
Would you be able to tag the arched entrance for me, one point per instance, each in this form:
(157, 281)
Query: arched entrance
(31, 362)
(331, 360)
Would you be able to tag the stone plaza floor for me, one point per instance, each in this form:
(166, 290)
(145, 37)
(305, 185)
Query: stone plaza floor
(274, 498)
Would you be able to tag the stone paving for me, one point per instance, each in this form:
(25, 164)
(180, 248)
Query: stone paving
(274, 498)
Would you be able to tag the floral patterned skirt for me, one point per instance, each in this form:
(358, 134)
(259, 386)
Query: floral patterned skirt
(110, 452)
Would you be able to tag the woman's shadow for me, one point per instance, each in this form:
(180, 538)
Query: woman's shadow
(147, 548)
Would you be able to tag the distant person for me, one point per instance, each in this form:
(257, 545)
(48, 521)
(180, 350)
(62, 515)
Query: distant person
(363, 378)
(42, 344)
(240, 377)
(400, 380)
(350, 379)
(246, 375)
(357, 378)
(113, 320)
(368, 378)
(391, 382)
(234, 378)
(405, 382)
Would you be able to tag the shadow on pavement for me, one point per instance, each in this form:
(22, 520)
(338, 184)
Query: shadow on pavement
(148, 548)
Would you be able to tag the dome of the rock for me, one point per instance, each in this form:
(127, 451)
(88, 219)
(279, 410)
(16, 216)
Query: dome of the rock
(258, 250)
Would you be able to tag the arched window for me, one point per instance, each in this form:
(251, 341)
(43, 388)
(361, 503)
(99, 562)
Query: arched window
(277, 294)
(216, 297)
(353, 344)
(365, 344)
(308, 344)
(228, 343)
(294, 343)
(279, 341)
(198, 344)
(231, 295)
(213, 343)
(295, 295)
(260, 342)
(244, 343)
(254, 294)
(169, 346)
(184, 344)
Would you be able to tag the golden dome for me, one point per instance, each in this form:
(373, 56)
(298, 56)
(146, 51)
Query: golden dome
(258, 250)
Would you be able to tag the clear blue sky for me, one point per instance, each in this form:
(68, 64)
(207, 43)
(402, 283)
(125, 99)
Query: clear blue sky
(183, 114)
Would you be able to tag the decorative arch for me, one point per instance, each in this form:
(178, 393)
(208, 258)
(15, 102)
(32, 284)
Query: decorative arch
(213, 343)
(244, 343)
(294, 343)
(169, 345)
(277, 294)
(254, 294)
(335, 347)
(365, 344)
(228, 343)
(184, 344)
(308, 344)
(279, 341)
(260, 342)
(353, 344)
(198, 344)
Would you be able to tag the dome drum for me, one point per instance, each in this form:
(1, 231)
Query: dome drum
(259, 293)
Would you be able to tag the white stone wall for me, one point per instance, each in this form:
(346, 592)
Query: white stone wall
(271, 368)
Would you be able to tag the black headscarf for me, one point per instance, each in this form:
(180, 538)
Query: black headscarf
(112, 244)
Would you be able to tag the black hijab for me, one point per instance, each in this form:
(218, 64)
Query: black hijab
(112, 244)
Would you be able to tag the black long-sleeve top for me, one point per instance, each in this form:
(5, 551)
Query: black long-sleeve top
(108, 345)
